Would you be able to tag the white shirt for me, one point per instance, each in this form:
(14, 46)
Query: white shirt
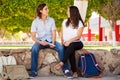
(43, 29)
(69, 32)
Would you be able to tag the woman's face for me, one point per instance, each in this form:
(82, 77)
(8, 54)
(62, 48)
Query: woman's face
(68, 13)
(45, 11)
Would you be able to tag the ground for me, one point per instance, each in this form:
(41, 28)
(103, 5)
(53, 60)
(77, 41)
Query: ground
(109, 77)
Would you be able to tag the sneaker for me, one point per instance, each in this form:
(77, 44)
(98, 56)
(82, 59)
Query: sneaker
(33, 75)
(68, 74)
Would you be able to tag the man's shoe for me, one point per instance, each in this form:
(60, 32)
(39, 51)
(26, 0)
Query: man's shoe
(68, 74)
(33, 75)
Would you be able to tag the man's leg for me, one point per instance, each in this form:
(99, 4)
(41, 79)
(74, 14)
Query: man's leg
(60, 49)
(34, 58)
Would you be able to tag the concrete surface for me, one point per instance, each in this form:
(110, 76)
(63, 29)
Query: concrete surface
(111, 77)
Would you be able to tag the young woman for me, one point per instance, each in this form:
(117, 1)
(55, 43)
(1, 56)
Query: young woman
(72, 29)
(43, 32)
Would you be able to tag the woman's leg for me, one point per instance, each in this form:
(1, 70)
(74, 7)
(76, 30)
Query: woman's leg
(68, 51)
(66, 57)
(72, 62)
(76, 46)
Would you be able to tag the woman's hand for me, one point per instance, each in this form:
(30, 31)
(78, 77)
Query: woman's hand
(62, 42)
(67, 43)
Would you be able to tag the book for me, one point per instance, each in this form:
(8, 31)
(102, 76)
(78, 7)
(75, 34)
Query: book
(50, 44)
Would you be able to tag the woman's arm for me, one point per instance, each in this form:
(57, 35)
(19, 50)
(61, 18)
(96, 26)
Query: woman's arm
(79, 34)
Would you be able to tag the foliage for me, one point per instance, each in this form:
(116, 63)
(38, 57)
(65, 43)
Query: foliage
(16, 23)
(96, 37)
(7, 36)
(18, 14)
(109, 9)
(59, 10)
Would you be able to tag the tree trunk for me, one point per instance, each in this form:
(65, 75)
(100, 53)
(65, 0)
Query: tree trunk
(12, 36)
(113, 32)
(3, 33)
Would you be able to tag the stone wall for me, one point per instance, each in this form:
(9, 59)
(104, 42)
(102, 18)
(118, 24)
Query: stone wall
(108, 60)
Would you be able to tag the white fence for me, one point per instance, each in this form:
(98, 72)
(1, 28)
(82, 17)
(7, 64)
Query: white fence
(16, 43)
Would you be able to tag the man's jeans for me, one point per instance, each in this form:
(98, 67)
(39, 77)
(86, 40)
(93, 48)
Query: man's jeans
(35, 52)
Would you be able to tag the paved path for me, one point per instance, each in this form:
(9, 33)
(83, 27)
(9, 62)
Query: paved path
(114, 77)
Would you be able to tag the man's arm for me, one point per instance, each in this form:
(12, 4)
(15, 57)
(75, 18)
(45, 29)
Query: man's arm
(53, 36)
(33, 35)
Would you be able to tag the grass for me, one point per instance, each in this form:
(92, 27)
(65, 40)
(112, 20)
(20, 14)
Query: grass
(102, 47)
(86, 47)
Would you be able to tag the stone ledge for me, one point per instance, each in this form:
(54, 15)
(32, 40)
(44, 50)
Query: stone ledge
(109, 60)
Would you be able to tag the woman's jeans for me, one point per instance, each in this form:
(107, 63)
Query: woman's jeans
(35, 53)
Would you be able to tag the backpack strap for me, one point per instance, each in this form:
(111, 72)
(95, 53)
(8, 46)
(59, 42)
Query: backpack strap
(83, 63)
(95, 62)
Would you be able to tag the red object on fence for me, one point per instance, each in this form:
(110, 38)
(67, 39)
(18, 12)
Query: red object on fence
(100, 29)
(89, 32)
(116, 27)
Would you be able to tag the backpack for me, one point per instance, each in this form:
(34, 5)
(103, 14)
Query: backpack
(7, 60)
(89, 66)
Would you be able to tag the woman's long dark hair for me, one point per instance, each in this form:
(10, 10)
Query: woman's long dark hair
(40, 7)
(74, 17)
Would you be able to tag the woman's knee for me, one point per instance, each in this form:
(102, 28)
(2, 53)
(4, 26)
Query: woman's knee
(81, 45)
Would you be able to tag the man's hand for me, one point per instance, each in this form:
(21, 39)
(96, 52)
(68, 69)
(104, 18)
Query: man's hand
(44, 43)
(51, 45)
